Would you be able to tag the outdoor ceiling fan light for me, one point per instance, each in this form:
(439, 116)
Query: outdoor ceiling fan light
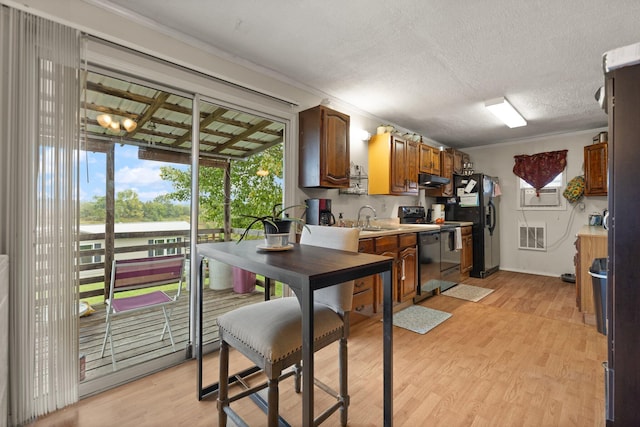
(104, 120)
(129, 125)
(114, 126)
(502, 109)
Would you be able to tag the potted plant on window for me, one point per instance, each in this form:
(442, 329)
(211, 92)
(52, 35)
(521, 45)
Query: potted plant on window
(276, 225)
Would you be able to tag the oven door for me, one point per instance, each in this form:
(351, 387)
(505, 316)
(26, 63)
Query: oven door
(449, 258)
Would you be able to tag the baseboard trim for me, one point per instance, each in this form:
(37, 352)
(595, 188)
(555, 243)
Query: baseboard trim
(539, 273)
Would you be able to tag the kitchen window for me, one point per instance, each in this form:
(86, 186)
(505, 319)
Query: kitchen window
(548, 198)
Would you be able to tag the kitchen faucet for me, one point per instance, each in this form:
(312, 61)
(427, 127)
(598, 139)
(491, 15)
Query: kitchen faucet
(367, 224)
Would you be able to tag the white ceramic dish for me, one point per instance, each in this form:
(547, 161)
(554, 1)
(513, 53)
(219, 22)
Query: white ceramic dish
(275, 248)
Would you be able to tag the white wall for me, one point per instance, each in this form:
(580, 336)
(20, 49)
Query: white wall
(562, 226)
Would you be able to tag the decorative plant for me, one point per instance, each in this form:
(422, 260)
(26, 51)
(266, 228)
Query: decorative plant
(274, 220)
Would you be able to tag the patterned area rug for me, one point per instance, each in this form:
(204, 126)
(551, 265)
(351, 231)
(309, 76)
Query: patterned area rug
(419, 319)
(468, 292)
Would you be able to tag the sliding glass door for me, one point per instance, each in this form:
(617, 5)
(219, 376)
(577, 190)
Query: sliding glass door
(136, 202)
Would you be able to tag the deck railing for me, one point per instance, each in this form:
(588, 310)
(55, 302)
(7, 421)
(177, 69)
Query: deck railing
(91, 261)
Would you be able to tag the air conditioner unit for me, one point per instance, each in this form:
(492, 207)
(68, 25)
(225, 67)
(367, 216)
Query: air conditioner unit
(547, 197)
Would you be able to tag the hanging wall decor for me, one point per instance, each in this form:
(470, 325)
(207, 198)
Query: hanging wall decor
(540, 169)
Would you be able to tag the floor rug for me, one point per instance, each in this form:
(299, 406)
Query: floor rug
(468, 292)
(419, 319)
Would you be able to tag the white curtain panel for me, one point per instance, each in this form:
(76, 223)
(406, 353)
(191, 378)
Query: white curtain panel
(39, 146)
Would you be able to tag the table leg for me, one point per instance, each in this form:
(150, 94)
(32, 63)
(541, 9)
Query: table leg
(306, 302)
(387, 328)
(199, 327)
(267, 289)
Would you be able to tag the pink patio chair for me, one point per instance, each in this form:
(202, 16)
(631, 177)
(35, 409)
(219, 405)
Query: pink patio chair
(142, 273)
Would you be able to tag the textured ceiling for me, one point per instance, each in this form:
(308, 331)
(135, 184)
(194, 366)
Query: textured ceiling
(424, 65)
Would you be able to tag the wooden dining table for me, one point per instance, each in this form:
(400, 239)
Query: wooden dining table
(304, 269)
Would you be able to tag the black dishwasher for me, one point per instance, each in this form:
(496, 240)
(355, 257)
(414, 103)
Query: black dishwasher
(429, 263)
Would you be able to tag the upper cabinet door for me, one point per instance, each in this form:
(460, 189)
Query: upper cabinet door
(398, 171)
(412, 157)
(425, 159)
(323, 148)
(393, 165)
(595, 169)
(335, 161)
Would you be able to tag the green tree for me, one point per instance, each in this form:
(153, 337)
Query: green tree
(94, 211)
(251, 193)
(128, 207)
(162, 208)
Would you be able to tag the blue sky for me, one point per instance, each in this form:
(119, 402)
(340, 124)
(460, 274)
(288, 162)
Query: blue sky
(142, 176)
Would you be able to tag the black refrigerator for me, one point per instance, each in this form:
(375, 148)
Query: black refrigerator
(475, 202)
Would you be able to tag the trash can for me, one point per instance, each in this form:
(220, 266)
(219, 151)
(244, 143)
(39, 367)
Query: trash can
(220, 276)
(244, 282)
(598, 272)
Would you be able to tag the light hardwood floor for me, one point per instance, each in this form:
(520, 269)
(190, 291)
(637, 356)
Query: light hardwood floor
(519, 357)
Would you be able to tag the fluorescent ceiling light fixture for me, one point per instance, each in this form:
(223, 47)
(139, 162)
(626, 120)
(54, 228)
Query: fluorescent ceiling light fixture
(501, 108)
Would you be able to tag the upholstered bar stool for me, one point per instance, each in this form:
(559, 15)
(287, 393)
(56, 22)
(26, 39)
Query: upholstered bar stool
(269, 334)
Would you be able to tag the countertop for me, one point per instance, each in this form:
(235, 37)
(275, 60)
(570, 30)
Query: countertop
(591, 230)
(407, 228)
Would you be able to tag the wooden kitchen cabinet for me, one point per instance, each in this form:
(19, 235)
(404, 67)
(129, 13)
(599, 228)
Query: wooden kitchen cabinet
(403, 248)
(408, 266)
(323, 148)
(591, 243)
(393, 165)
(364, 289)
(459, 159)
(446, 167)
(595, 169)
(429, 159)
(364, 297)
(466, 256)
(404, 251)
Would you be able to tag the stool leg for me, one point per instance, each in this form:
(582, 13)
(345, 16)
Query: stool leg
(297, 368)
(223, 390)
(272, 402)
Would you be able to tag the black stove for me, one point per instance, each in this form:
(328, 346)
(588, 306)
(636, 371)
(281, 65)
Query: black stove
(416, 215)
(412, 215)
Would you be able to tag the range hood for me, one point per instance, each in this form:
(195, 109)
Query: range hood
(427, 180)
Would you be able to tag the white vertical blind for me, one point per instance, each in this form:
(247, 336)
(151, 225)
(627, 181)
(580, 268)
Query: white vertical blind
(39, 141)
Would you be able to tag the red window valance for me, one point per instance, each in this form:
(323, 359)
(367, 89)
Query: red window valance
(539, 169)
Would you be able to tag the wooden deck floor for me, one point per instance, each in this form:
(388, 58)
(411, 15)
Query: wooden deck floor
(136, 338)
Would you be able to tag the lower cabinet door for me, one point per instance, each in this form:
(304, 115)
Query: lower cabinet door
(407, 274)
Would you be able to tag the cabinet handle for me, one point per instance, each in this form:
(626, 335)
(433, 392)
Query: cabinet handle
(359, 284)
(403, 275)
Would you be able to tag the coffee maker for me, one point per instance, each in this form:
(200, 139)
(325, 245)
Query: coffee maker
(319, 212)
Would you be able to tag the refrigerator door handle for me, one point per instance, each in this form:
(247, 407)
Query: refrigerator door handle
(492, 217)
